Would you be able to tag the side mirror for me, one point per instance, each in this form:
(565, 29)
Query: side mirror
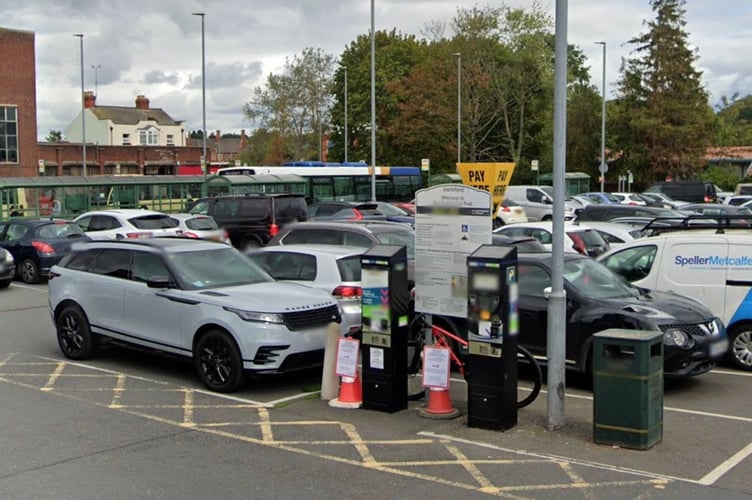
(158, 282)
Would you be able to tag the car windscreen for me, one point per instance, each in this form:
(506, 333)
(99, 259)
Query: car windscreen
(59, 230)
(400, 238)
(213, 268)
(153, 221)
(594, 280)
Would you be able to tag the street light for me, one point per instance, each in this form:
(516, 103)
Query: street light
(96, 68)
(83, 104)
(604, 166)
(204, 165)
(459, 106)
(373, 105)
(345, 68)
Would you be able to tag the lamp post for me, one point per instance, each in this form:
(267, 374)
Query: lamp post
(459, 106)
(604, 166)
(83, 105)
(373, 105)
(204, 163)
(96, 67)
(346, 144)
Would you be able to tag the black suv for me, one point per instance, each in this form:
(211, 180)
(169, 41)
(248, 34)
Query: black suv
(607, 212)
(252, 220)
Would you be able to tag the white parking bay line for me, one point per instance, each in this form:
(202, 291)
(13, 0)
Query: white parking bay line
(726, 466)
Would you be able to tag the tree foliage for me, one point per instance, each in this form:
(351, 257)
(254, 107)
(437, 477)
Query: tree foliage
(296, 103)
(663, 119)
(54, 136)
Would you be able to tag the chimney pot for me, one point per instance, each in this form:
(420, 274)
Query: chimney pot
(142, 102)
(90, 100)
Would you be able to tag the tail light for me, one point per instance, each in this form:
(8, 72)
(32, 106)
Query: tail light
(347, 292)
(43, 247)
(707, 199)
(225, 236)
(273, 230)
(579, 243)
(506, 209)
(357, 215)
(190, 234)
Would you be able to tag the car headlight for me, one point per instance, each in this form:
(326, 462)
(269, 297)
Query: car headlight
(678, 338)
(7, 257)
(257, 317)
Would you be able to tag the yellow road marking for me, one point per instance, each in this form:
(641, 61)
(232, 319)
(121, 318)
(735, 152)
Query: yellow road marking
(117, 392)
(266, 426)
(53, 378)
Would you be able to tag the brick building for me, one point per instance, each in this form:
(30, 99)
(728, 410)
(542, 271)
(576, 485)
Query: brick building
(18, 104)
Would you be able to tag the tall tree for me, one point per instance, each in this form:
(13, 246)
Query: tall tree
(734, 122)
(295, 103)
(663, 119)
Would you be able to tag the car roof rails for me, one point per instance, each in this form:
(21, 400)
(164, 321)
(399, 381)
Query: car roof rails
(720, 223)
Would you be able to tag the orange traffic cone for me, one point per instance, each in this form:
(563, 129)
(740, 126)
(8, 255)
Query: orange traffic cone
(439, 405)
(350, 393)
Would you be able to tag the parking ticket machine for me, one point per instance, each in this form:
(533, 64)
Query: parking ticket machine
(385, 317)
(492, 324)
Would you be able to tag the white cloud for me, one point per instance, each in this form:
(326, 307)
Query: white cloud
(154, 48)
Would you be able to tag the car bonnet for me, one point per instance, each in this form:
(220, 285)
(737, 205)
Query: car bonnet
(270, 296)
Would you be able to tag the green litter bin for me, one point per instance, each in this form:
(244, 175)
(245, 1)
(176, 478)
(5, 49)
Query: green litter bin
(628, 388)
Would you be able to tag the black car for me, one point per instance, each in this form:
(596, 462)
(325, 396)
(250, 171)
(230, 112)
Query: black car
(37, 245)
(7, 268)
(252, 220)
(598, 299)
(607, 212)
(689, 191)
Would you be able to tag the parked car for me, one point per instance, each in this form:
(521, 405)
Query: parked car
(611, 211)
(578, 238)
(200, 227)
(7, 268)
(37, 245)
(733, 215)
(191, 298)
(252, 220)
(523, 244)
(713, 268)
(630, 199)
(126, 223)
(689, 191)
(538, 202)
(377, 210)
(662, 199)
(600, 198)
(509, 212)
(334, 269)
(737, 200)
(694, 338)
(363, 234)
(407, 206)
(613, 233)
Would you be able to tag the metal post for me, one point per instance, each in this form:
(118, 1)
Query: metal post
(345, 67)
(604, 166)
(373, 105)
(557, 324)
(83, 106)
(96, 67)
(459, 106)
(203, 100)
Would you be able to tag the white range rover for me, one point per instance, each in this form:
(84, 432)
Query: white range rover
(197, 299)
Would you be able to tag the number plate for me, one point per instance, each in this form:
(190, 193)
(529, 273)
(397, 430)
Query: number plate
(718, 348)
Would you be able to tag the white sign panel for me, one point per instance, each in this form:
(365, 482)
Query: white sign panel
(452, 221)
(436, 367)
(347, 357)
(376, 356)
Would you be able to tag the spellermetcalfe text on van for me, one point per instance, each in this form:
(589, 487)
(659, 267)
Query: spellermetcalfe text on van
(710, 266)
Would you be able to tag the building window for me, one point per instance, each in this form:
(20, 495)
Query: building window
(148, 137)
(170, 140)
(126, 139)
(8, 135)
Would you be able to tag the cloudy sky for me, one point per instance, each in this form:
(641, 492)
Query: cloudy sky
(154, 47)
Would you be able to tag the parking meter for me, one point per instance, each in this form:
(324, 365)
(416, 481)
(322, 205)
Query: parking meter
(385, 318)
(492, 323)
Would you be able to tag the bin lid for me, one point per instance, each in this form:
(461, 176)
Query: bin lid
(626, 334)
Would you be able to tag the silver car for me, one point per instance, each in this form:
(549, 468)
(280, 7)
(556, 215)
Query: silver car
(191, 298)
(200, 227)
(126, 224)
(334, 269)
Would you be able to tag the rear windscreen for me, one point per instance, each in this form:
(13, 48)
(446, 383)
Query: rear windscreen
(349, 268)
(291, 208)
(201, 224)
(156, 221)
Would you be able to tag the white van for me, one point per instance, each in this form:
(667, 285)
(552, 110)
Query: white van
(715, 269)
(538, 202)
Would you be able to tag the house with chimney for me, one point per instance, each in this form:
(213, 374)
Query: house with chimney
(223, 151)
(141, 125)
